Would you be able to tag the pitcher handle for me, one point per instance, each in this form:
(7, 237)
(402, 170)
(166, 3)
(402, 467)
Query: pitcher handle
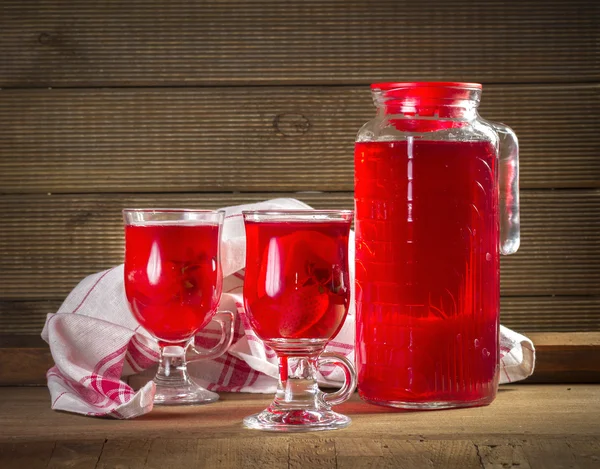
(508, 174)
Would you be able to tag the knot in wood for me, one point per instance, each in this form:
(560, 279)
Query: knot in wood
(45, 38)
(291, 125)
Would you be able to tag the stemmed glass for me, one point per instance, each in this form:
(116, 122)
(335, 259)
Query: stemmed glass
(296, 294)
(173, 283)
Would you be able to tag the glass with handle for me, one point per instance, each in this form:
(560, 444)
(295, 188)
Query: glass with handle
(173, 283)
(296, 296)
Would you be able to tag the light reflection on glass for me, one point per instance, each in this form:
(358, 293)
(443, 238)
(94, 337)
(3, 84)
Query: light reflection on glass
(153, 269)
(274, 268)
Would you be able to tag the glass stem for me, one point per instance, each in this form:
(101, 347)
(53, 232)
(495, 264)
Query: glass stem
(283, 369)
(297, 381)
(172, 368)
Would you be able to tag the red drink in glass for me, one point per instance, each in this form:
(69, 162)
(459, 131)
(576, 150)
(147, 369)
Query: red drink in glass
(296, 294)
(172, 277)
(297, 284)
(427, 271)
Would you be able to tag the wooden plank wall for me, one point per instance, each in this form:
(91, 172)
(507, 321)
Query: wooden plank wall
(207, 103)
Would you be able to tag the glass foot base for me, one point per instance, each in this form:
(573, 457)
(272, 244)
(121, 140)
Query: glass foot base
(184, 395)
(296, 421)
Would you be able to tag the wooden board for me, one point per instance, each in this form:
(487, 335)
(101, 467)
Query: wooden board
(52, 242)
(568, 358)
(553, 313)
(256, 139)
(130, 454)
(322, 453)
(24, 366)
(26, 455)
(561, 357)
(519, 411)
(76, 454)
(184, 42)
(319, 452)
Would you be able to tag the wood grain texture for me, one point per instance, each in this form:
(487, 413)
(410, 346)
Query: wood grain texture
(548, 453)
(586, 452)
(227, 453)
(24, 365)
(502, 456)
(172, 453)
(553, 313)
(258, 452)
(313, 453)
(26, 455)
(124, 454)
(256, 139)
(51, 242)
(79, 43)
(25, 317)
(451, 455)
(573, 357)
(76, 454)
(574, 340)
(356, 453)
(347, 453)
(548, 411)
(409, 454)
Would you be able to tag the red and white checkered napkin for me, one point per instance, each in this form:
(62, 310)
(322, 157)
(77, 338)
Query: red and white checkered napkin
(96, 341)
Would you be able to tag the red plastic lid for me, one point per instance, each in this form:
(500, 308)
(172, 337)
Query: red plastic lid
(424, 84)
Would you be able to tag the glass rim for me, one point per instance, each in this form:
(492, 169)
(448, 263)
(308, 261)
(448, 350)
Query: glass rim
(298, 215)
(391, 85)
(170, 210)
(300, 211)
(178, 216)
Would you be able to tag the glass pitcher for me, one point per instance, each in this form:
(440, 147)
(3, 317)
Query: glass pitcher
(437, 201)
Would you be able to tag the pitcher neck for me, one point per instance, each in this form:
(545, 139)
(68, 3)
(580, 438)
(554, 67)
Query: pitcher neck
(443, 100)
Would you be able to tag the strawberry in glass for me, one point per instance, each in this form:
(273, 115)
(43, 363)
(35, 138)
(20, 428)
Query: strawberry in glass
(296, 295)
(297, 287)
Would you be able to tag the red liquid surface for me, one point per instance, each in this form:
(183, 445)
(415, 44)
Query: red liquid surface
(172, 277)
(297, 284)
(427, 271)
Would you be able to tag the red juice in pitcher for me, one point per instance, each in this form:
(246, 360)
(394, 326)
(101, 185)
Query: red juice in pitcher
(297, 284)
(427, 272)
(437, 202)
(172, 277)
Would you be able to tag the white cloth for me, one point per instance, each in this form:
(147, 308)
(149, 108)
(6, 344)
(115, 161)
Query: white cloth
(95, 340)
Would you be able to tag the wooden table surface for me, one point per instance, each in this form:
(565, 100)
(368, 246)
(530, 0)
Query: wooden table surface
(528, 426)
